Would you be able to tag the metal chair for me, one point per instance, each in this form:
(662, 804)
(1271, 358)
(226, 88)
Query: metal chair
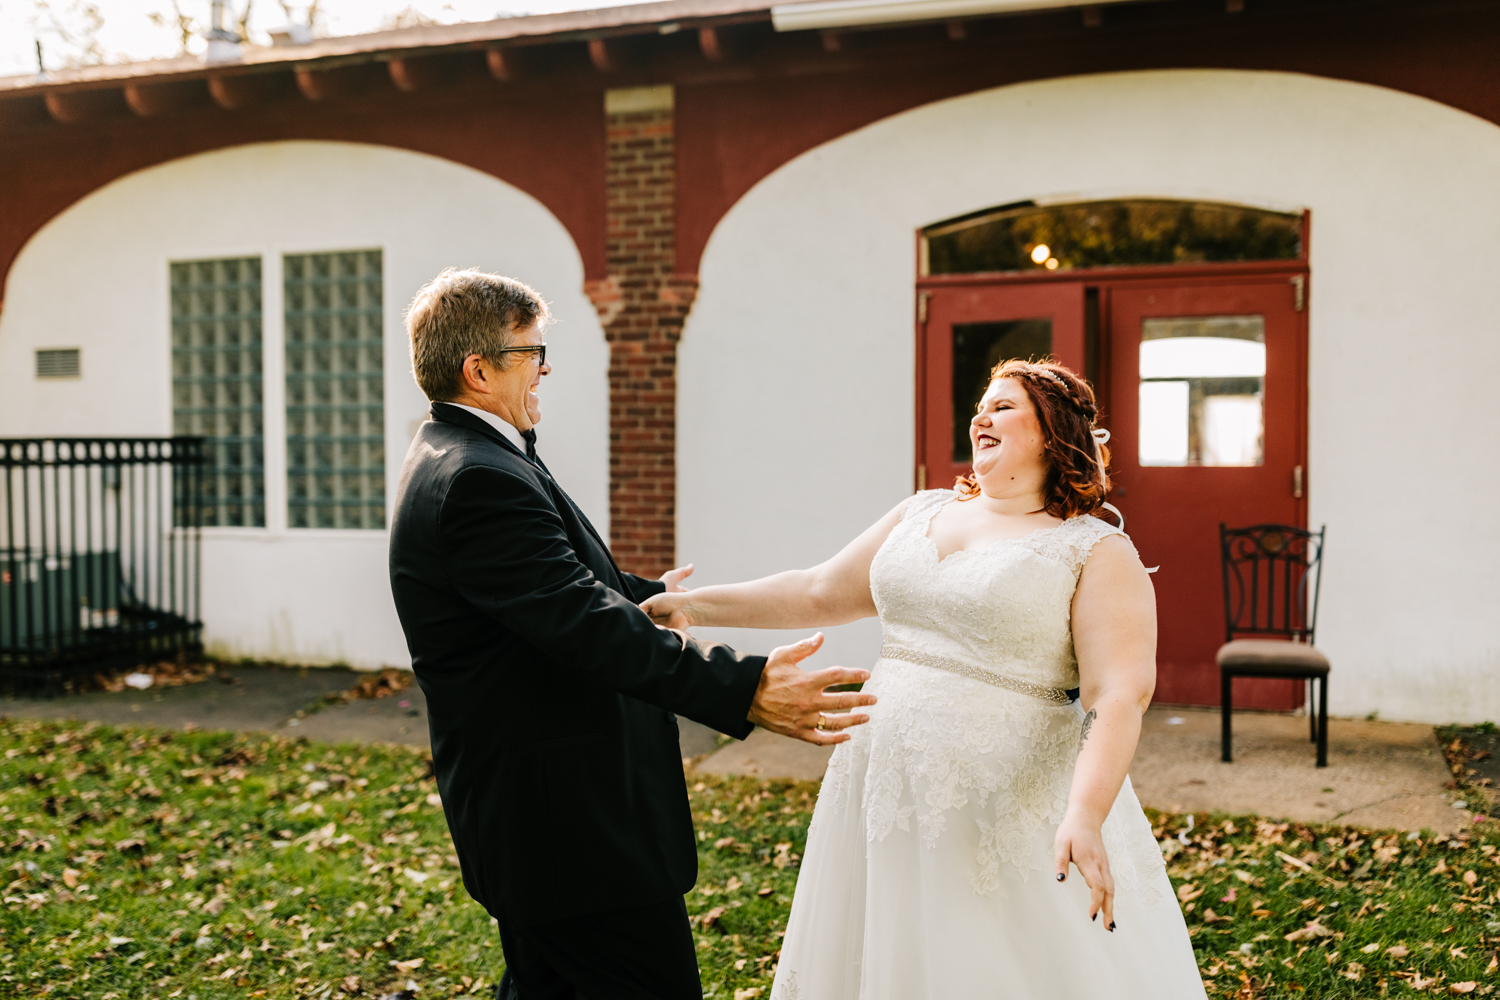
(1269, 621)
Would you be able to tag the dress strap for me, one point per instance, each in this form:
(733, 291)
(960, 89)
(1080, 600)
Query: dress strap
(924, 505)
(1083, 533)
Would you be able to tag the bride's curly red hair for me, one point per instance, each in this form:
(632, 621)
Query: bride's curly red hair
(1077, 477)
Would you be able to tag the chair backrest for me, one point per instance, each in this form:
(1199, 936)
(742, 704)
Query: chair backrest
(1272, 573)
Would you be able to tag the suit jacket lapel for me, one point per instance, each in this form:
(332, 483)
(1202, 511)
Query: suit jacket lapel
(455, 415)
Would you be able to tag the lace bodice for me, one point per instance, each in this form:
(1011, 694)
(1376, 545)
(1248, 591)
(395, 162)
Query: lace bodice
(973, 718)
(1006, 606)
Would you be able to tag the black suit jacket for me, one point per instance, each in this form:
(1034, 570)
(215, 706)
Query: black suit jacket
(550, 694)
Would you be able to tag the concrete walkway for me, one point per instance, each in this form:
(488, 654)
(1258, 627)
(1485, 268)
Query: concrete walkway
(1379, 774)
(248, 699)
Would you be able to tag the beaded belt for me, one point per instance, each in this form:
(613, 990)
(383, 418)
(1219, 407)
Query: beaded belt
(892, 651)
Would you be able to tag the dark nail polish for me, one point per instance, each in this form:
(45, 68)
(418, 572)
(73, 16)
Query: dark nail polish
(1094, 917)
(1061, 876)
(1111, 926)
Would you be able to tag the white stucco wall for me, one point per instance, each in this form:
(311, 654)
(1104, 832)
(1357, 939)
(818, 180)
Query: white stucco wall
(96, 277)
(796, 427)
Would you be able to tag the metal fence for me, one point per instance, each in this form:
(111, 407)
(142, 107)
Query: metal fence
(100, 552)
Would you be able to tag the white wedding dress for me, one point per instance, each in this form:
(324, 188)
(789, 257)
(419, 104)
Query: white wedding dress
(929, 871)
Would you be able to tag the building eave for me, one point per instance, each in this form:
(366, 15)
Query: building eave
(634, 19)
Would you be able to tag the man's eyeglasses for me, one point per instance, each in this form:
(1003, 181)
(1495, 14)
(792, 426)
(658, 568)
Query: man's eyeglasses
(539, 349)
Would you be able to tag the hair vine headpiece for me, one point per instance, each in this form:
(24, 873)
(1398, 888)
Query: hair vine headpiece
(1054, 377)
(1082, 405)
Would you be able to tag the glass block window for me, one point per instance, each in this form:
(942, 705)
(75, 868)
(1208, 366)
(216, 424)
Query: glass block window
(335, 390)
(216, 382)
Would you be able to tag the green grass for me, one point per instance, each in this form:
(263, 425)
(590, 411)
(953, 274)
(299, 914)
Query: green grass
(1286, 910)
(143, 863)
(146, 863)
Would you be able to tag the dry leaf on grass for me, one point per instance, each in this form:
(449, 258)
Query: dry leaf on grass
(1311, 932)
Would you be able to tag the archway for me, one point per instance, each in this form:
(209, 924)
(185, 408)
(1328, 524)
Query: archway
(99, 278)
(799, 350)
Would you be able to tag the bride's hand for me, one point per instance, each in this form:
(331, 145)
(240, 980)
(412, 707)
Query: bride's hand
(1080, 842)
(669, 610)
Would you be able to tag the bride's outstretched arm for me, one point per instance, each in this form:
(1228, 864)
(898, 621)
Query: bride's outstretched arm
(1114, 637)
(831, 593)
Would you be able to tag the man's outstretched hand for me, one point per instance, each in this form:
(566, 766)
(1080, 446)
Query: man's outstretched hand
(790, 701)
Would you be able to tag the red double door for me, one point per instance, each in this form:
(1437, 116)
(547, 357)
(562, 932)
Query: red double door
(1202, 380)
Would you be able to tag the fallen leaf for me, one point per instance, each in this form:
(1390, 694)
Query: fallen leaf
(1470, 878)
(1397, 951)
(749, 993)
(711, 917)
(1187, 892)
(1370, 948)
(1311, 932)
(416, 876)
(70, 877)
(1467, 987)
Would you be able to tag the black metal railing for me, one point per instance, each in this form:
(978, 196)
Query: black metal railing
(100, 552)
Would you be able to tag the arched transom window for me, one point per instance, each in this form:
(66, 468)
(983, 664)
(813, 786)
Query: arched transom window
(1127, 232)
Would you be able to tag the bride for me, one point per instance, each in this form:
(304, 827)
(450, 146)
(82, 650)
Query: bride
(1018, 655)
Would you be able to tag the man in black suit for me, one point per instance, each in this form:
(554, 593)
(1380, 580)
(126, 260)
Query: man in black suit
(550, 693)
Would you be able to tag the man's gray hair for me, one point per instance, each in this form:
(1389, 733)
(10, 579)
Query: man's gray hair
(464, 312)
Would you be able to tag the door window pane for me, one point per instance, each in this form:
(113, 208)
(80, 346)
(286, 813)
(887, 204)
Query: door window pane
(1202, 388)
(977, 349)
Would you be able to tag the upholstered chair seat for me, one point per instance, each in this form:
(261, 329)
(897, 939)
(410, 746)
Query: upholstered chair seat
(1272, 658)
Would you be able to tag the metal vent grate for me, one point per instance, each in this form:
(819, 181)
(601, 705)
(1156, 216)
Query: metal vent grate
(59, 362)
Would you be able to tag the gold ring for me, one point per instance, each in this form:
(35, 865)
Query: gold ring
(822, 719)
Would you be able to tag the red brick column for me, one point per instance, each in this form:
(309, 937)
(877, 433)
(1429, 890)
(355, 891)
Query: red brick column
(642, 304)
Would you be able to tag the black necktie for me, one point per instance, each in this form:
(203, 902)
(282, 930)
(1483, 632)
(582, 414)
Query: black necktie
(530, 436)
